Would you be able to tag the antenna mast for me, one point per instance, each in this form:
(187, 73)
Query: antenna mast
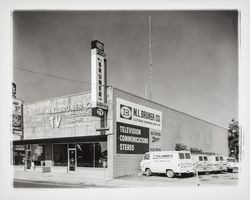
(150, 62)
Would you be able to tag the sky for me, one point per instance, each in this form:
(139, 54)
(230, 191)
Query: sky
(195, 56)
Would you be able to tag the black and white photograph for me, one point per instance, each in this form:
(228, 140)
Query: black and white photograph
(126, 99)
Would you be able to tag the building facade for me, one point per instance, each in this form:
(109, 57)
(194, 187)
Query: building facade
(64, 132)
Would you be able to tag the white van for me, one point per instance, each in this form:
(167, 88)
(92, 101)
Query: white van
(201, 163)
(168, 162)
(218, 162)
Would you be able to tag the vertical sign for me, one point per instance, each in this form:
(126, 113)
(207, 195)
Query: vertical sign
(17, 118)
(98, 75)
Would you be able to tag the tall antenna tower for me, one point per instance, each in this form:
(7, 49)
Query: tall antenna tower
(150, 62)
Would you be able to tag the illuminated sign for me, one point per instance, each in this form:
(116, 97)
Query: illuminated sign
(132, 139)
(135, 114)
(98, 75)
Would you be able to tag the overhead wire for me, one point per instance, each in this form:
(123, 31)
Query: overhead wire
(53, 76)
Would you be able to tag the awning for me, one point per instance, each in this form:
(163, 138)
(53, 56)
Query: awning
(99, 138)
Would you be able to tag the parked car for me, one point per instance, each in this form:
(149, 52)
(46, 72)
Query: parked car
(169, 162)
(232, 164)
(201, 163)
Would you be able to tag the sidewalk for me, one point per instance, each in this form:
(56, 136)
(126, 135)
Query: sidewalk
(62, 177)
(80, 178)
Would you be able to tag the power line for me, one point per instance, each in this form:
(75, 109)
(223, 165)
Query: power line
(52, 76)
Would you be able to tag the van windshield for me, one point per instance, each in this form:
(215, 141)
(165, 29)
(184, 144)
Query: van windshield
(200, 158)
(205, 158)
(187, 155)
(146, 157)
(217, 158)
(221, 158)
(181, 155)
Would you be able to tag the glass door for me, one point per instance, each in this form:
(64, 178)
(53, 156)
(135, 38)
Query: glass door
(71, 159)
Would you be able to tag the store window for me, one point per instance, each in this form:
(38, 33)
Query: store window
(60, 154)
(18, 155)
(38, 153)
(92, 154)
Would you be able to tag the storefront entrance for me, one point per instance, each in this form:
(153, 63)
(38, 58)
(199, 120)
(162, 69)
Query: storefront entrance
(72, 157)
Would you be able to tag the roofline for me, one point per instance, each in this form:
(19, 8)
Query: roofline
(68, 95)
(114, 88)
(170, 108)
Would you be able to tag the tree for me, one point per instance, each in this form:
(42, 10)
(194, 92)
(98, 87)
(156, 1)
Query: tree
(195, 150)
(233, 139)
(181, 147)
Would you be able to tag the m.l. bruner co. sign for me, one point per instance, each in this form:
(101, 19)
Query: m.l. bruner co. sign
(135, 114)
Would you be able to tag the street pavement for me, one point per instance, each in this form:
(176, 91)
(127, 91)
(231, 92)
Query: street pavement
(52, 180)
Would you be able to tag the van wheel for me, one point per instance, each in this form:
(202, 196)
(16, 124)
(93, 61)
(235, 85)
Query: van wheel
(148, 172)
(170, 173)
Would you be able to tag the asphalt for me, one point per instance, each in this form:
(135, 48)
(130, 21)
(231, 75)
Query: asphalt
(63, 179)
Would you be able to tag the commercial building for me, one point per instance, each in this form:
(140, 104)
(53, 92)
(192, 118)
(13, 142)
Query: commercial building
(73, 135)
(63, 130)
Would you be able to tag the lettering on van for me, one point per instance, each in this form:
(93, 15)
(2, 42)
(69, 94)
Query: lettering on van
(162, 156)
(132, 139)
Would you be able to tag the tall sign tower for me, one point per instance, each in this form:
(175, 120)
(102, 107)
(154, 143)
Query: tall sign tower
(150, 63)
(98, 75)
(99, 84)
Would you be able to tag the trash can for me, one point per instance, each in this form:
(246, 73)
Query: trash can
(28, 164)
(46, 166)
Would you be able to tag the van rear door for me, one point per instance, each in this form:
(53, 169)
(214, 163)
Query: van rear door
(185, 162)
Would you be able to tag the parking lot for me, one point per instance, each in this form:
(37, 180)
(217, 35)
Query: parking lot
(158, 180)
(139, 180)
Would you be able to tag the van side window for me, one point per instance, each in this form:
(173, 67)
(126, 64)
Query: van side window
(205, 158)
(217, 158)
(146, 157)
(181, 155)
(200, 158)
(187, 155)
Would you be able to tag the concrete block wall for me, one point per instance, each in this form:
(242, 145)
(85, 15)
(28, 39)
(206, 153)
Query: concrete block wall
(177, 127)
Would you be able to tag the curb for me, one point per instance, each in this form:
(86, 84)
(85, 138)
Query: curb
(53, 182)
(108, 185)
